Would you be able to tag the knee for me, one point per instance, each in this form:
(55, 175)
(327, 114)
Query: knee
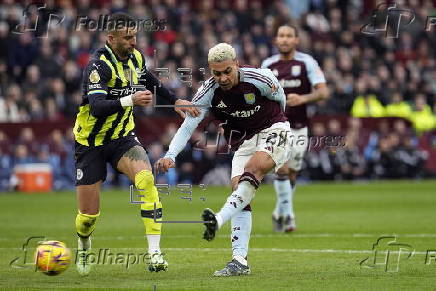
(254, 170)
(283, 171)
(250, 178)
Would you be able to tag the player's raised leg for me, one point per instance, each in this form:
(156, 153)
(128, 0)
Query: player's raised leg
(135, 164)
(255, 169)
(88, 198)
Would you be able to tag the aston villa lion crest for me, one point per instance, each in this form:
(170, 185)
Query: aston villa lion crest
(250, 98)
(296, 70)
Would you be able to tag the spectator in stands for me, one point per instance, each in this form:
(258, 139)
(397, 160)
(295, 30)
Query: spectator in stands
(9, 111)
(382, 160)
(57, 144)
(422, 116)
(28, 139)
(53, 113)
(402, 129)
(22, 156)
(67, 160)
(4, 143)
(33, 81)
(54, 160)
(349, 159)
(397, 107)
(22, 53)
(5, 170)
(411, 159)
(320, 162)
(362, 72)
(334, 128)
(367, 106)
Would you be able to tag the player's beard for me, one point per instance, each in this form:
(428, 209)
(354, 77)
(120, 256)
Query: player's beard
(125, 52)
(287, 52)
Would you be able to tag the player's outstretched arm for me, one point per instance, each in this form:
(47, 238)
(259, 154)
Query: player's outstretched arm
(180, 106)
(202, 99)
(179, 141)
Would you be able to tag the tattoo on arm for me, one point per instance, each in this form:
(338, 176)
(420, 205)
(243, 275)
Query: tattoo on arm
(137, 153)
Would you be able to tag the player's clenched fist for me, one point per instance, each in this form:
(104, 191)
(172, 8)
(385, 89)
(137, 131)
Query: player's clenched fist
(142, 98)
(163, 164)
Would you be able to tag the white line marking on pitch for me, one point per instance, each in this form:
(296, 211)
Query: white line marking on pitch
(314, 251)
(278, 235)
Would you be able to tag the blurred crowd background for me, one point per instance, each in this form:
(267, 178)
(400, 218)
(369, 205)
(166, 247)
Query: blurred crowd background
(368, 75)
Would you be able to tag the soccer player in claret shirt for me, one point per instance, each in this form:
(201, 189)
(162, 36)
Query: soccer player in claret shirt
(303, 83)
(250, 104)
(104, 133)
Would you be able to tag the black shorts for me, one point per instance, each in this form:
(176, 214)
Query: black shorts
(91, 161)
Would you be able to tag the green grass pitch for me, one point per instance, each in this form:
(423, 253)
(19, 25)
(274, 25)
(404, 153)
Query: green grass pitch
(337, 227)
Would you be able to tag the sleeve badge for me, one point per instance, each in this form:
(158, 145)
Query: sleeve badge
(94, 77)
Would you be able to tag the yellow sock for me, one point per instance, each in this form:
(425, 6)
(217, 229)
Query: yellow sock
(85, 224)
(144, 182)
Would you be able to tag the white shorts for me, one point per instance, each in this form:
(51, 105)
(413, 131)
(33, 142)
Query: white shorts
(299, 143)
(274, 140)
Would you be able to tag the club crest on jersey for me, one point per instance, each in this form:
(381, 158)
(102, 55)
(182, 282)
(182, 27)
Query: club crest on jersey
(139, 72)
(94, 77)
(250, 98)
(296, 70)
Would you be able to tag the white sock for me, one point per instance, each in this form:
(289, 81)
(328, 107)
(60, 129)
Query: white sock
(291, 200)
(153, 243)
(289, 207)
(241, 260)
(278, 185)
(284, 198)
(241, 230)
(84, 243)
(240, 198)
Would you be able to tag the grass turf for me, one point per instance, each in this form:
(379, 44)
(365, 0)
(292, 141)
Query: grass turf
(337, 227)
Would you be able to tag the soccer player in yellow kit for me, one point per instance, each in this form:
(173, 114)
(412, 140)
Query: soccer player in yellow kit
(104, 133)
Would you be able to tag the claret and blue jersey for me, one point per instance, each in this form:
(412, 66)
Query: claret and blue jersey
(297, 76)
(254, 104)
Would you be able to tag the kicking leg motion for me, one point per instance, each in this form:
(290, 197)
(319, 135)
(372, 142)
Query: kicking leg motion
(237, 209)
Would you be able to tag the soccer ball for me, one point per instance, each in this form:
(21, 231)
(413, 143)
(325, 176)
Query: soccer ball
(52, 257)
